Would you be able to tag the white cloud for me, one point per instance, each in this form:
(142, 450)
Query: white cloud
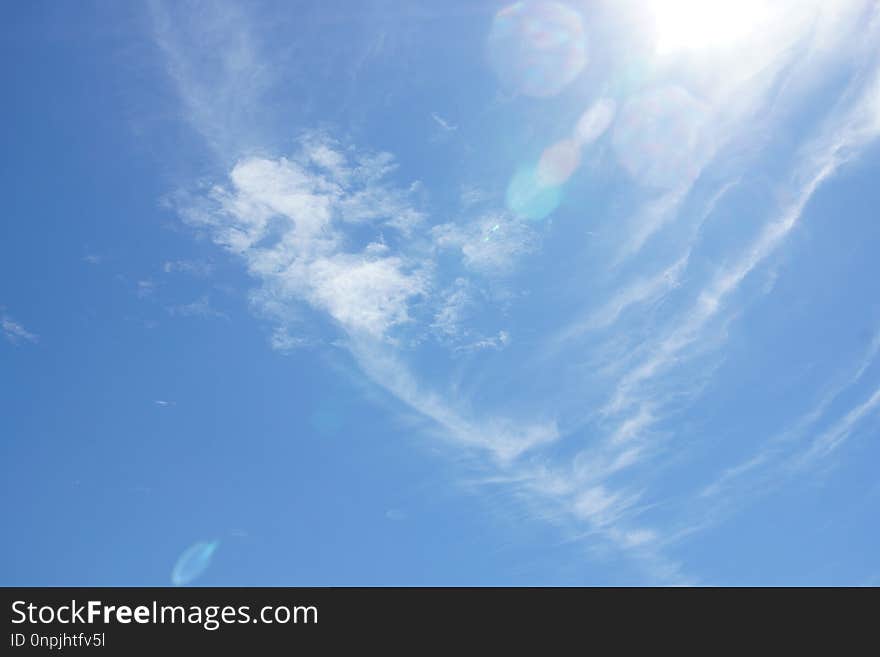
(285, 218)
(201, 307)
(197, 268)
(599, 506)
(730, 101)
(853, 125)
(145, 288)
(496, 342)
(443, 123)
(452, 308)
(650, 387)
(15, 332)
(284, 342)
(216, 63)
(503, 438)
(364, 295)
(491, 244)
(786, 447)
(831, 439)
(643, 290)
(471, 195)
(326, 229)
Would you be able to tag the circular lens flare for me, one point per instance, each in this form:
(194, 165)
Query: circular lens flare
(558, 162)
(193, 562)
(537, 48)
(661, 139)
(530, 198)
(595, 121)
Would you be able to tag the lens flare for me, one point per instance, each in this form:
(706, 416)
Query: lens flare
(530, 198)
(558, 162)
(595, 121)
(700, 24)
(535, 192)
(661, 137)
(193, 562)
(537, 48)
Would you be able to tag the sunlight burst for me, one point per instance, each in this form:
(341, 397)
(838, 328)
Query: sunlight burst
(701, 24)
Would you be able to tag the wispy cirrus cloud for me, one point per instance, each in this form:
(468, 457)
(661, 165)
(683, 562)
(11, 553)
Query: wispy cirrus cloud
(850, 128)
(491, 244)
(443, 123)
(14, 332)
(222, 80)
(338, 232)
(201, 307)
(285, 217)
(787, 454)
(286, 220)
(652, 382)
(198, 268)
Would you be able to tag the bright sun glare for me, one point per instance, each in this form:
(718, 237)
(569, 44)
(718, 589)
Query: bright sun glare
(701, 24)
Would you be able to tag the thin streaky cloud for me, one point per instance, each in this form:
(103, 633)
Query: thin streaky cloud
(781, 447)
(831, 439)
(198, 268)
(336, 230)
(201, 307)
(443, 123)
(853, 127)
(222, 81)
(14, 332)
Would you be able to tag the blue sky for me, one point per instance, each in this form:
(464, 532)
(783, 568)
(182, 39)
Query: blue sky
(440, 293)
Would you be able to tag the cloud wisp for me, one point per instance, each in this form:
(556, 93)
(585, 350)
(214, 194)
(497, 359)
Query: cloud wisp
(14, 332)
(337, 239)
